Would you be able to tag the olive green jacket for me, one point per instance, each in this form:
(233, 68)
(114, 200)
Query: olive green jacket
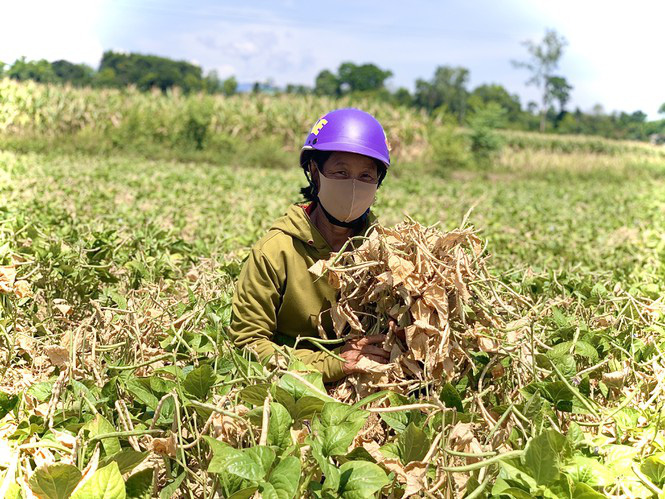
(277, 299)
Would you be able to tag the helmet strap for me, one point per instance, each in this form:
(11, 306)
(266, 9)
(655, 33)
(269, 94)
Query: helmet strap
(356, 224)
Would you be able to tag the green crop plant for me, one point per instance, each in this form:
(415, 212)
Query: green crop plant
(117, 376)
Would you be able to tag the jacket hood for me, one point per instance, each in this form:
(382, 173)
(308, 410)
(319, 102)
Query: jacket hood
(296, 223)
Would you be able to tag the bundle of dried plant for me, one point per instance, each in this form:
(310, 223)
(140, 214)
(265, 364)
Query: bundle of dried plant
(431, 292)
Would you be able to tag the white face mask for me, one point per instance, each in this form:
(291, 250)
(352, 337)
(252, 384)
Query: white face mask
(345, 199)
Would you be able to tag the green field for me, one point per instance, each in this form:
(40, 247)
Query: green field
(119, 338)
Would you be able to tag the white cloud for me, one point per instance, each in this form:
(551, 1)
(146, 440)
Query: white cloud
(257, 51)
(615, 51)
(226, 70)
(51, 30)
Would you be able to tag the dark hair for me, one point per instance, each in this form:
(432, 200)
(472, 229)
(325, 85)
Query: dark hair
(320, 157)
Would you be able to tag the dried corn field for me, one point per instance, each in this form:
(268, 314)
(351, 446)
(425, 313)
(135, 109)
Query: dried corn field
(523, 306)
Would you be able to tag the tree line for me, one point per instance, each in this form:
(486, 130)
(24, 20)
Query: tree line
(446, 93)
(118, 70)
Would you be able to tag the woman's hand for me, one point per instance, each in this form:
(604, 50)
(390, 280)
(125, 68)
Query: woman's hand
(355, 349)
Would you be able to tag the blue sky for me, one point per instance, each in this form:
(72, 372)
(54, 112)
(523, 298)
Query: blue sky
(614, 55)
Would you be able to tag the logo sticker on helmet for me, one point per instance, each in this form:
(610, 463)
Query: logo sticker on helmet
(318, 126)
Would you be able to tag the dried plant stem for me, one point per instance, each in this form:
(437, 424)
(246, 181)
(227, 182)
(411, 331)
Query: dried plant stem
(120, 434)
(487, 462)
(265, 423)
(400, 408)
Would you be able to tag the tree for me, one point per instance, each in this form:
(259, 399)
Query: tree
(403, 97)
(558, 89)
(661, 109)
(326, 83)
(293, 88)
(77, 74)
(361, 78)
(212, 84)
(40, 71)
(447, 88)
(542, 63)
(230, 86)
(486, 94)
(147, 71)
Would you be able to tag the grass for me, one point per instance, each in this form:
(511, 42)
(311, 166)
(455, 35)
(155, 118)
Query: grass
(145, 252)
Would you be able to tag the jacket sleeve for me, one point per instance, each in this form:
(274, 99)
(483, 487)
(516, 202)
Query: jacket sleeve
(256, 299)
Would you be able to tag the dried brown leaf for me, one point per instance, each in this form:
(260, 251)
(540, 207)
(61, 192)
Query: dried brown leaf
(7, 277)
(57, 355)
(164, 446)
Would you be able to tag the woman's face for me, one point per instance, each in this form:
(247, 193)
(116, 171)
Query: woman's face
(348, 165)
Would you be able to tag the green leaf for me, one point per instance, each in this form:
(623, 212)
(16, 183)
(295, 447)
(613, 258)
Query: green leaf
(297, 389)
(169, 491)
(286, 477)
(583, 491)
(575, 435)
(516, 493)
(254, 394)
(329, 470)
(127, 460)
(142, 394)
(654, 468)
(199, 381)
(371, 398)
(620, 458)
(587, 350)
(99, 426)
(588, 470)
(400, 420)
(626, 418)
(413, 444)
(226, 459)
(55, 481)
(262, 455)
(14, 491)
(283, 397)
(582, 348)
(558, 393)
(542, 456)
(41, 391)
(359, 454)
(567, 365)
(306, 408)
(168, 411)
(139, 485)
(514, 473)
(451, 397)
(161, 385)
(7, 403)
(534, 409)
(105, 483)
(245, 493)
(361, 479)
(337, 426)
(267, 491)
(561, 320)
(279, 426)
(390, 450)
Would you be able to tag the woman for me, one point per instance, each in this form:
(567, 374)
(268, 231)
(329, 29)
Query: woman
(345, 158)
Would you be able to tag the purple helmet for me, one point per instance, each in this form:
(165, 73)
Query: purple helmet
(347, 130)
